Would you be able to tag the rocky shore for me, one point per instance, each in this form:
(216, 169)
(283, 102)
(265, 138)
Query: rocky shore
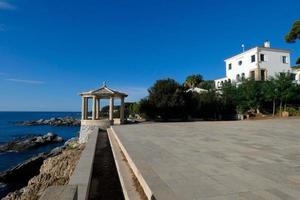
(59, 121)
(54, 168)
(29, 142)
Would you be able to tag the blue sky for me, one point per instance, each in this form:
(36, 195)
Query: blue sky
(50, 50)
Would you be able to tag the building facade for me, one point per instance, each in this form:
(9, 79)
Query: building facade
(257, 63)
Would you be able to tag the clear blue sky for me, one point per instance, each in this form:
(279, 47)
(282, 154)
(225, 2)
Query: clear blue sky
(52, 49)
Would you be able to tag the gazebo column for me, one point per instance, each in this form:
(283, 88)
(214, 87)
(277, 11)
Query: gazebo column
(111, 108)
(86, 107)
(83, 108)
(99, 108)
(94, 108)
(122, 108)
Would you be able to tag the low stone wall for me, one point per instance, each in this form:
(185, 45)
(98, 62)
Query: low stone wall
(79, 184)
(89, 127)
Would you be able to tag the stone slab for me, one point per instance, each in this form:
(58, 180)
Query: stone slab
(217, 160)
(63, 192)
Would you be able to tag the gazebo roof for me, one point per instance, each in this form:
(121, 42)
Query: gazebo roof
(104, 92)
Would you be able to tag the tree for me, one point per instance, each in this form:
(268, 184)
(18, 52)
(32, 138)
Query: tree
(168, 99)
(146, 109)
(284, 87)
(193, 81)
(250, 96)
(209, 105)
(132, 108)
(293, 35)
(270, 91)
(229, 98)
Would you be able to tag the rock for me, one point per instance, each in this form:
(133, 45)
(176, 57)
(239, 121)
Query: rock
(58, 139)
(50, 134)
(46, 121)
(39, 139)
(73, 142)
(40, 121)
(52, 119)
(55, 170)
(27, 168)
(66, 121)
(22, 144)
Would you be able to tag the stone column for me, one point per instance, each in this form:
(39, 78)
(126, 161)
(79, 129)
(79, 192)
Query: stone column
(83, 109)
(111, 108)
(94, 108)
(99, 108)
(122, 108)
(86, 107)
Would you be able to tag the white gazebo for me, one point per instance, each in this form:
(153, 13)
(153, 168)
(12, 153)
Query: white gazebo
(91, 123)
(96, 95)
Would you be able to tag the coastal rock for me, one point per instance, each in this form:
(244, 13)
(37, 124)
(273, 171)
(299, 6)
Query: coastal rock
(55, 170)
(28, 142)
(28, 168)
(66, 121)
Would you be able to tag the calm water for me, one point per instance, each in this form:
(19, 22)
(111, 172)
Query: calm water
(9, 130)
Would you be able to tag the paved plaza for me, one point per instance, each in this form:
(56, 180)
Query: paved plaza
(248, 160)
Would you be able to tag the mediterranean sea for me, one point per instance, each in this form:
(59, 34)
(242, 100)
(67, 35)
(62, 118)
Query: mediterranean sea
(9, 130)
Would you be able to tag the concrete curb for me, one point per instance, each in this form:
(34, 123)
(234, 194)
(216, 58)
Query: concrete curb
(133, 167)
(129, 187)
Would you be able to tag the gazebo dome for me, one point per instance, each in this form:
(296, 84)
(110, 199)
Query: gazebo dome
(104, 92)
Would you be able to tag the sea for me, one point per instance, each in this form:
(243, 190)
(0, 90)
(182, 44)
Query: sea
(9, 130)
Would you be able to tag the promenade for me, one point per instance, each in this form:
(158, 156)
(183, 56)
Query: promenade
(255, 160)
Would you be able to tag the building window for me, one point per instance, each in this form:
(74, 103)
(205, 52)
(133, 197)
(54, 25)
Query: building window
(229, 66)
(238, 78)
(252, 74)
(262, 75)
(240, 62)
(262, 57)
(253, 58)
(243, 76)
(284, 59)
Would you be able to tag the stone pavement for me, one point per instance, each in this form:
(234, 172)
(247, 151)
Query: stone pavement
(247, 160)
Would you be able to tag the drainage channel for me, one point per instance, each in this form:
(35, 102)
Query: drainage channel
(105, 183)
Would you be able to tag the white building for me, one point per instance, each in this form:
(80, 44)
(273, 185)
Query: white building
(258, 63)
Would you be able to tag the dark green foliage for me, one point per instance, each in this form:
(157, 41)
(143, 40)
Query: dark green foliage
(207, 85)
(229, 98)
(250, 96)
(147, 110)
(284, 87)
(169, 100)
(193, 81)
(293, 35)
(166, 100)
(132, 108)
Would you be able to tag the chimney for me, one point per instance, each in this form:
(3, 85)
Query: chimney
(267, 44)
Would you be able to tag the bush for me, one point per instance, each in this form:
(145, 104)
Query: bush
(293, 111)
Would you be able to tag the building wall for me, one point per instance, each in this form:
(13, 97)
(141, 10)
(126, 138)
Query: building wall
(245, 67)
(219, 82)
(272, 64)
